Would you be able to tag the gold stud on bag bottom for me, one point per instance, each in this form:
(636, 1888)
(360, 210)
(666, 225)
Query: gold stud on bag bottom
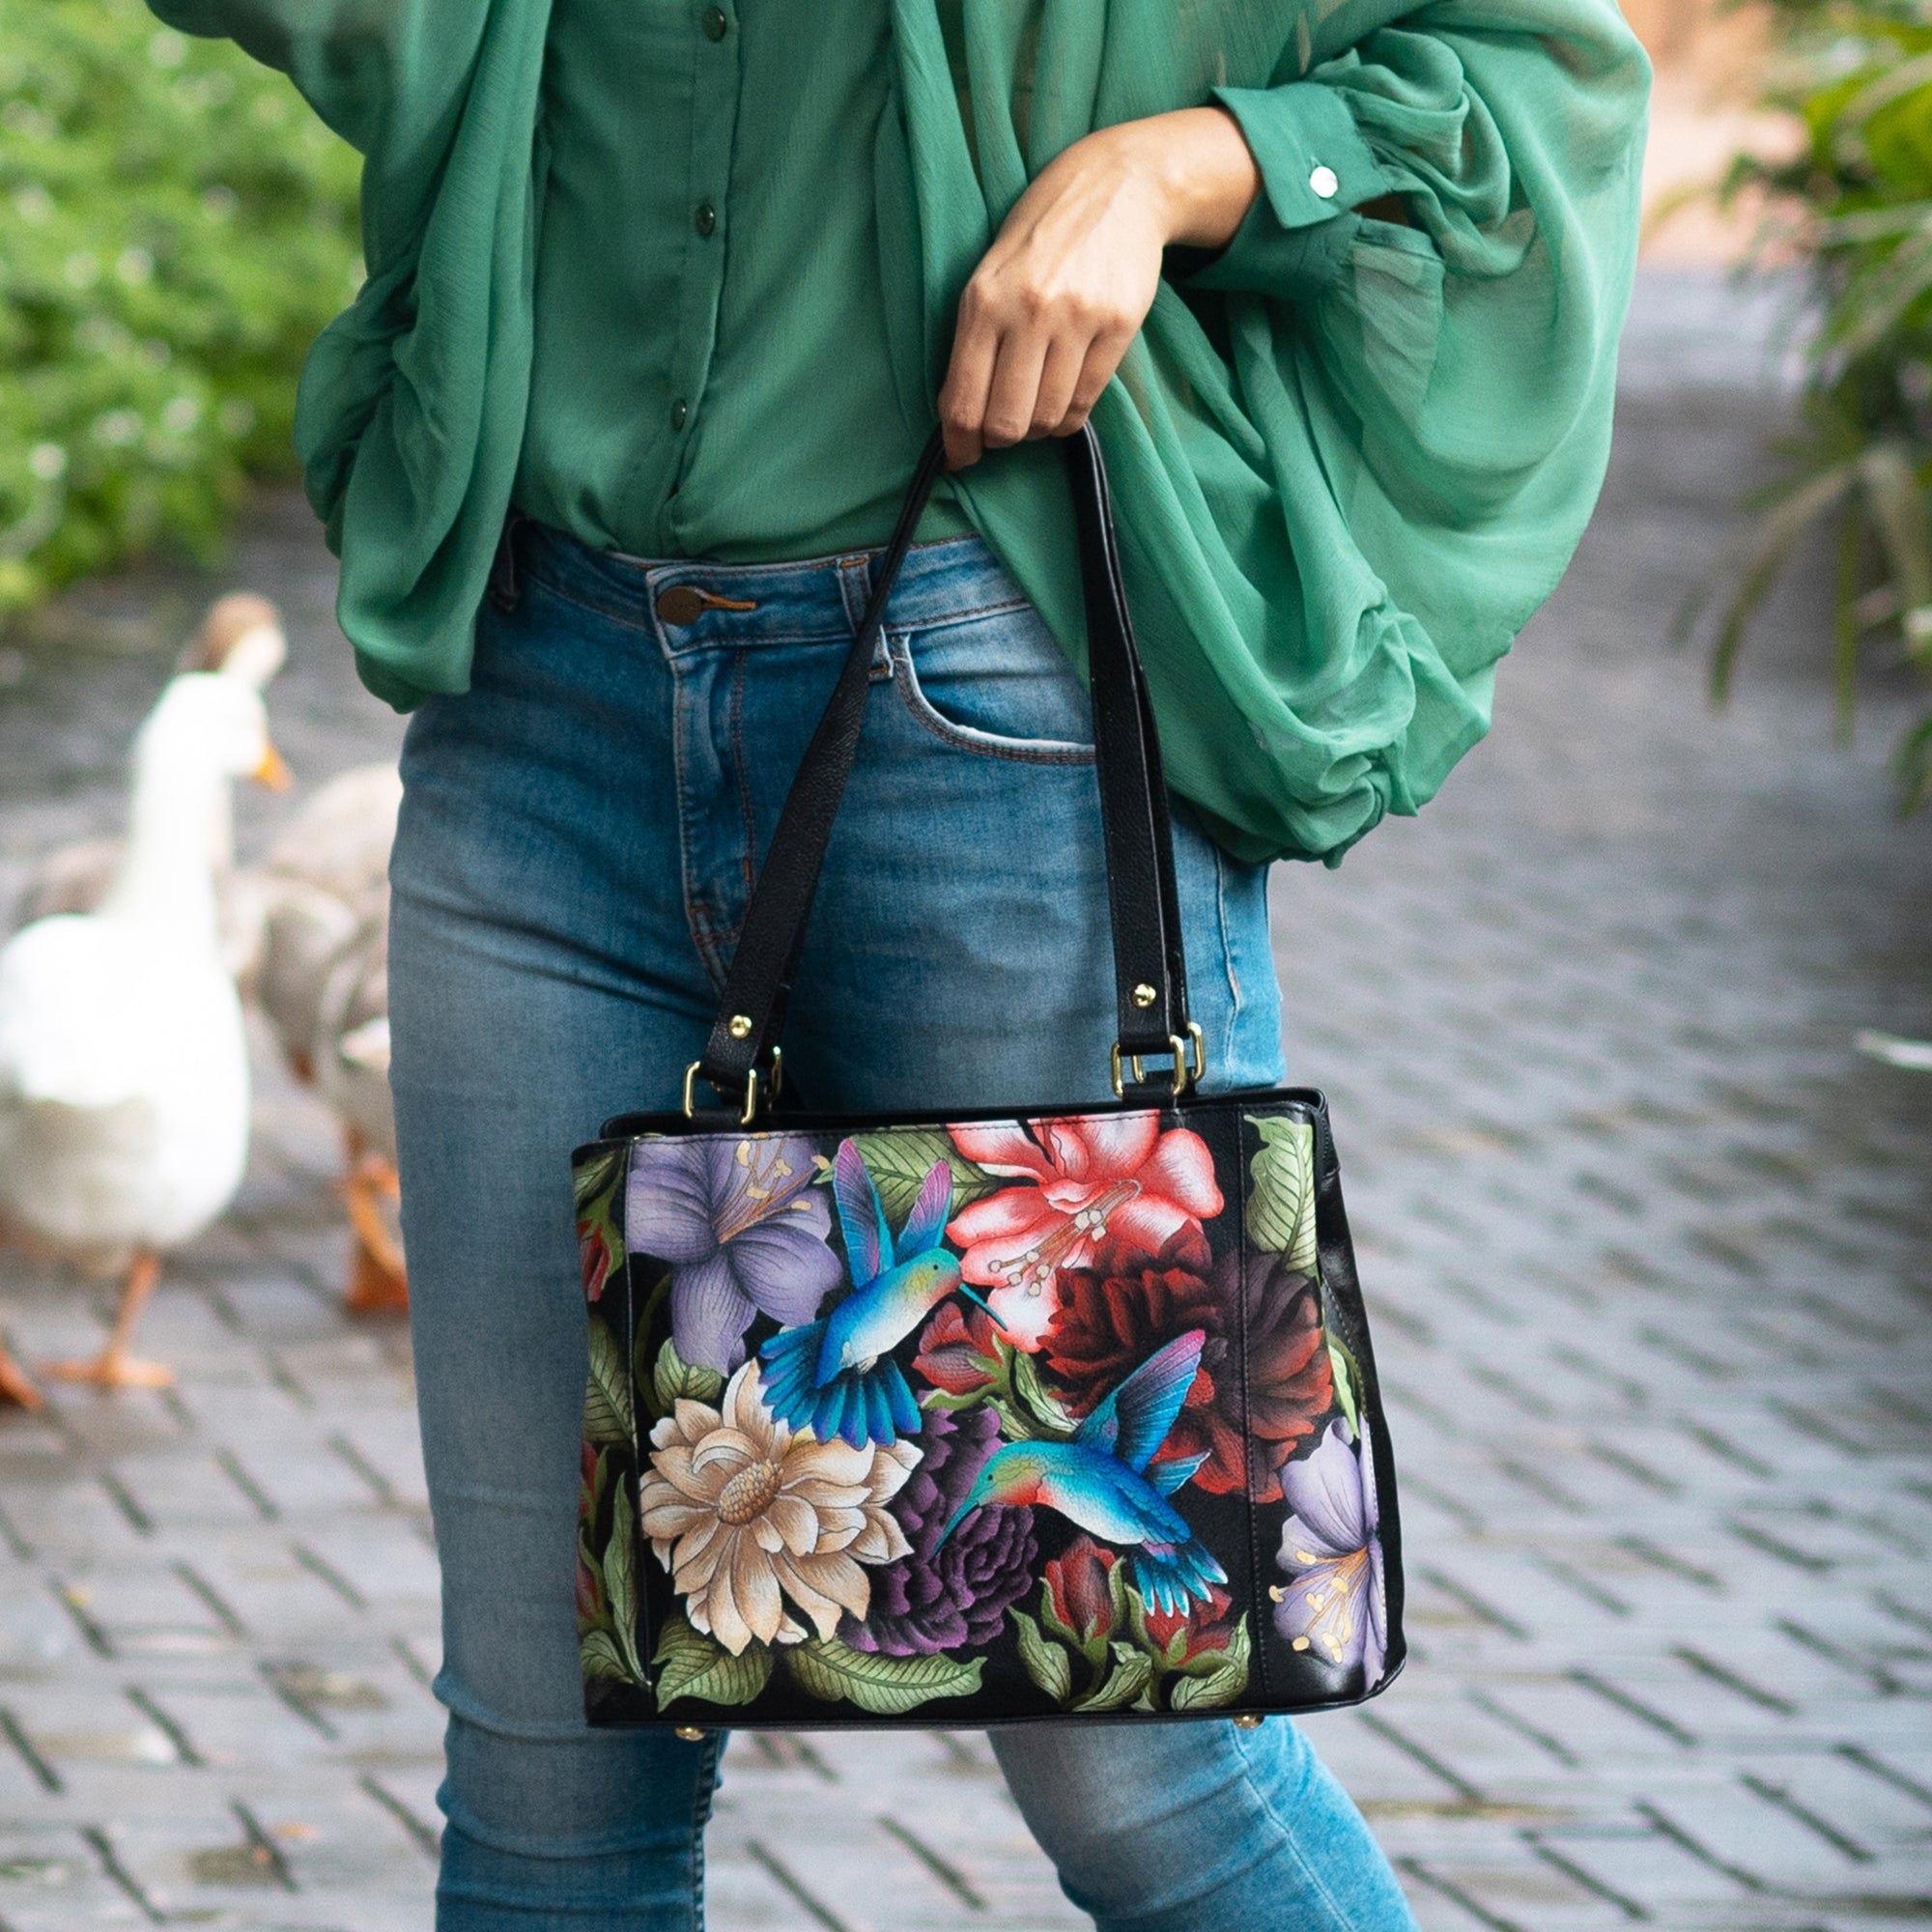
(979, 1420)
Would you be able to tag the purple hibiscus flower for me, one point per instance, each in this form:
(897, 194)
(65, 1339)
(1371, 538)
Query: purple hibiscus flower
(1332, 1554)
(922, 1605)
(744, 1231)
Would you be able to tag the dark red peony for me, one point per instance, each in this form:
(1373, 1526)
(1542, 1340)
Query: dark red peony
(1113, 1317)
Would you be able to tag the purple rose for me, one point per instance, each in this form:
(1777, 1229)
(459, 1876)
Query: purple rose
(923, 1603)
(1333, 1604)
(744, 1231)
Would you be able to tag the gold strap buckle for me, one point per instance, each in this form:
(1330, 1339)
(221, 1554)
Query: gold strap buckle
(754, 1087)
(1190, 1062)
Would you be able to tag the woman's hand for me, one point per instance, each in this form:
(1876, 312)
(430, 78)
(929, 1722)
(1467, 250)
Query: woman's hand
(1062, 291)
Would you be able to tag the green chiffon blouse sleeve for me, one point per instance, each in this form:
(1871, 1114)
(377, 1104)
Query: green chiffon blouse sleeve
(409, 416)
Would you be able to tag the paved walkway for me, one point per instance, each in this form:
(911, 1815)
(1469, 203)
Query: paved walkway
(1646, 1243)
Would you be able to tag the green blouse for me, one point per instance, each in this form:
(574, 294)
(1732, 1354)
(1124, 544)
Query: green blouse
(711, 372)
(683, 282)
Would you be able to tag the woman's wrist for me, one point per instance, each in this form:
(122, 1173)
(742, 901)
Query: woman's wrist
(1200, 168)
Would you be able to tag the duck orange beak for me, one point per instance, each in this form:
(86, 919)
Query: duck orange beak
(273, 771)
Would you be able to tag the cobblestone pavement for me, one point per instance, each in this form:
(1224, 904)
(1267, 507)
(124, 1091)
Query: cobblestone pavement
(1646, 1244)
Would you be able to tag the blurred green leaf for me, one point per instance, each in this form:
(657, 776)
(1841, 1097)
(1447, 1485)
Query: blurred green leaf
(174, 228)
(1854, 201)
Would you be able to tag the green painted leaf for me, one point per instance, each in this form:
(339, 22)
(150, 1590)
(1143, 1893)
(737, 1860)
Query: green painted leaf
(620, 1577)
(691, 1665)
(1281, 1205)
(1046, 1663)
(944, 1398)
(1342, 1367)
(674, 1380)
(1213, 1691)
(1131, 1674)
(1033, 1392)
(608, 1416)
(601, 1657)
(900, 1161)
(886, 1686)
(1137, 1616)
(598, 1175)
(1235, 1655)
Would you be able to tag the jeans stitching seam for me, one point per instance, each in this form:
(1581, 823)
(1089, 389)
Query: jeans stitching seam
(990, 744)
(750, 860)
(1227, 952)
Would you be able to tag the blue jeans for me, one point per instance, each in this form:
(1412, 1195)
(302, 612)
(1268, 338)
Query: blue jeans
(579, 838)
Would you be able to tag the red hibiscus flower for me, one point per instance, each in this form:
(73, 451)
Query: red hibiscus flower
(1079, 1590)
(1208, 1625)
(957, 1352)
(1083, 1180)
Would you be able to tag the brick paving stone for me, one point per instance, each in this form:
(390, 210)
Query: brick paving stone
(1646, 1244)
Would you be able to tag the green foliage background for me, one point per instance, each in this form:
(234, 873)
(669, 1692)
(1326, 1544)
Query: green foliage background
(1855, 204)
(175, 227)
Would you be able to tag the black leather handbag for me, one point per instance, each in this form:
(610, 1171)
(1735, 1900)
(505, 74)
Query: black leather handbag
(1029, 1414)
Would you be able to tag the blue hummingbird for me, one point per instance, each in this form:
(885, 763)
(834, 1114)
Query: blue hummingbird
(836, 1375)
(1105, 1479)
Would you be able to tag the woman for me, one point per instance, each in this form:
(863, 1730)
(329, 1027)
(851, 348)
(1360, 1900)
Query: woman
(680, 289)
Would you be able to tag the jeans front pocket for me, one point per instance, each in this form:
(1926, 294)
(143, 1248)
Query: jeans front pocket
(995, 683)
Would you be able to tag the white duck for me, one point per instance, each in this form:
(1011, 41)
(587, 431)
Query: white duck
(242, 637)
(124, 1066)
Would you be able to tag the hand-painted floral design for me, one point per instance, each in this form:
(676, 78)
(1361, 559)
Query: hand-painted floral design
(1291, 1384)
(600, 1245)
(1080, 1591)
(988, 1420)
(1079, 1180)
(744, 1231)
(1207, 1626)
(746, 1512)
(960, 1351)
(1334, 1603)
(938, 1598)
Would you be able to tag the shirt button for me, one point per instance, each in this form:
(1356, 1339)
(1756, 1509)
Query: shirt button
(714, 23)
(678, 412)
(1324, 181)
(706, 218)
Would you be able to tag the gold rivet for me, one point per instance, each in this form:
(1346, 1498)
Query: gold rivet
(741, 1026)
(1144, 995)
(691, 1734)
(1248, 1720)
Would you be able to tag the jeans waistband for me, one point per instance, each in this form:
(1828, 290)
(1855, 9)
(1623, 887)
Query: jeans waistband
(692, 604)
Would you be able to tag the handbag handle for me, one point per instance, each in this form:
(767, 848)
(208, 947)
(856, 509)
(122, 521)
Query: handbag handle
(741, 1057)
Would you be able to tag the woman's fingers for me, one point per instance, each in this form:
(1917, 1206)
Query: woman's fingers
(1022, 367)
(1104, 355)
(1058, 379)
(1015, 386)
(969, 381)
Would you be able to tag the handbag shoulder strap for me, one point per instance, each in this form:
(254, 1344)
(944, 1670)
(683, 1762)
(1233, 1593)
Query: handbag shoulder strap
(1149, 969)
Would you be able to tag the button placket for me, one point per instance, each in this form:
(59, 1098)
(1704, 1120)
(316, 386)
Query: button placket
(714, 113)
